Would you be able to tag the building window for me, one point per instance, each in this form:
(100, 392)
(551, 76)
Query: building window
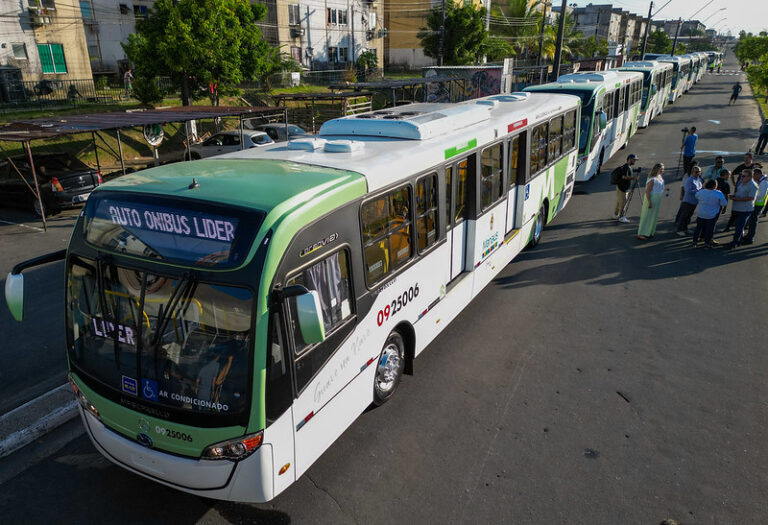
(86, 9)
(333, 54)
(42, 4)
(343, 54)
(336, 16)
(52, 58)
(20, 51)
(140, 11)
(294, 17)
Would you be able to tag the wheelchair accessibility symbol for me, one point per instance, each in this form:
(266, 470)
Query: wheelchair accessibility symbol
(149, 389)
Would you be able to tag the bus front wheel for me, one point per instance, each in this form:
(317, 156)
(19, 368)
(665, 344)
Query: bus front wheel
(389, 370)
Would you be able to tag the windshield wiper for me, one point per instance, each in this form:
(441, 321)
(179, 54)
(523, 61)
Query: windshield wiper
(101, 284)
(181, 295)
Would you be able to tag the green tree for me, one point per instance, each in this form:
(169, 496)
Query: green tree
(751, 48)
(275, 61)
(465, 39)
(593, 47)
(658, 42)
(518, 23)
(215, 42)
(758, 75)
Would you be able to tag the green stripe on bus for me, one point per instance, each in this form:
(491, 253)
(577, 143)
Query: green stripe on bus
(451, 152)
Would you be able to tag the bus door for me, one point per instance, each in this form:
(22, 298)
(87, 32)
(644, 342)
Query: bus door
(620, 112)
(457, 184)
(515, 181)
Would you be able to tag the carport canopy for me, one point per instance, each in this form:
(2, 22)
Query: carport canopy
(26, 131)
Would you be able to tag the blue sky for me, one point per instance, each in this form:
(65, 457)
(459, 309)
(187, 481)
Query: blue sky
(750, 15)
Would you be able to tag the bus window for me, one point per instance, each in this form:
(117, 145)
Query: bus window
(608, 105)
(330, 279)
(278, 386)
(426, 212)
(629, 95)
(555, 138)
(514, 160)
(539, 148)
(569, 130)
(491, 163)
(618, 107)
(462, 191)
(386, 232)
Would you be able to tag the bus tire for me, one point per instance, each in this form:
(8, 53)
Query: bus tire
(389, 369)
(538, 229)
(600, 162)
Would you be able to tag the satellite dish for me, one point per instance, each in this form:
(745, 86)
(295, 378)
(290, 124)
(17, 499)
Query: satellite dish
(153, 134)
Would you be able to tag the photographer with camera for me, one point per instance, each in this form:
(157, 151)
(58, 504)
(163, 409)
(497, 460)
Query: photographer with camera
(689, 148)
(622, 177)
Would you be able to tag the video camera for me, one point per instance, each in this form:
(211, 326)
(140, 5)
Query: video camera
(685, 130)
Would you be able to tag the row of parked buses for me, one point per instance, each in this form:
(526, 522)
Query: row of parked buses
(614, 103)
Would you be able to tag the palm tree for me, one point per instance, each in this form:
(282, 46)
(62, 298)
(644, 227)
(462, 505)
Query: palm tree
(518, 22)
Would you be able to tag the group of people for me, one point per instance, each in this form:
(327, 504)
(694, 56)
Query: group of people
(707, 195)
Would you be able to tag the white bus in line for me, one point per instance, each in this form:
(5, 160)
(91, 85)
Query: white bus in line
(609, 116)
(657, 80)
(681, 74)
(227, 319)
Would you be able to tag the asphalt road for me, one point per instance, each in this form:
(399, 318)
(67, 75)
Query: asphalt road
(597, 380)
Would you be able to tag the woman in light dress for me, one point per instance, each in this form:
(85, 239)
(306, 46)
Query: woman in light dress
(654, 188)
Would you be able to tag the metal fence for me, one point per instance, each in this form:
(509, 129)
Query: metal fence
(54, 92)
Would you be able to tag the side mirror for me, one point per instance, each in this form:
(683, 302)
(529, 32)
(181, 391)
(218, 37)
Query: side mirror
(14, 295)
(653, 90)
(310, 317)
(603, 120)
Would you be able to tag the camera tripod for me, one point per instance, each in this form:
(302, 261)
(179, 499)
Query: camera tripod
(635, 188)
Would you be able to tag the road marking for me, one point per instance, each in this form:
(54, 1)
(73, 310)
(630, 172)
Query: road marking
(22, 225)
(714, 121)
(55, 418)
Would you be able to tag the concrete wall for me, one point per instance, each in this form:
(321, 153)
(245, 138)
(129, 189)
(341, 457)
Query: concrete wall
(18, 30)
(65, 28)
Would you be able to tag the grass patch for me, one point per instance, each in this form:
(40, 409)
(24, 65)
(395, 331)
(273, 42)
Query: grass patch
(761, 95)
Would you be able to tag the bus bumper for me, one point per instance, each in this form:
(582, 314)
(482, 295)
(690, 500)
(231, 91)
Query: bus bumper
(216, 479)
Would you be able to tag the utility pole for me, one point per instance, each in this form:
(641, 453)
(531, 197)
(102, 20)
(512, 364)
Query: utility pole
(442, 37)
(541, 37)
(560, 36)
(677, 31)
(645, 36)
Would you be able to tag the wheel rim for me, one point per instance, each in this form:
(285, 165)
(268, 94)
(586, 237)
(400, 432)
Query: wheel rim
(388, 369)
(538, 227)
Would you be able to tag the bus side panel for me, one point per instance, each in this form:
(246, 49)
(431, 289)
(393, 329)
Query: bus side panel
(280, 435)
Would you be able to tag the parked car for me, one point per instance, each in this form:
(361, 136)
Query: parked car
(64, 182)
(227, 142)
(276, 131)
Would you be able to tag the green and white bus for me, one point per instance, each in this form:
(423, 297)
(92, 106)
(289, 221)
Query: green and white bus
(703, 61)
(715, 60)
(609, 115)
(657, 80)
(680, 76)
(228, 318)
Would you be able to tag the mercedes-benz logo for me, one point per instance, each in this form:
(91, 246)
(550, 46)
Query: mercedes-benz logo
(143, 425)
(144, 440)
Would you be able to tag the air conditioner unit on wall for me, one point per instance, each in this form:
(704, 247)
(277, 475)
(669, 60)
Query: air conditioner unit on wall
(297, 31)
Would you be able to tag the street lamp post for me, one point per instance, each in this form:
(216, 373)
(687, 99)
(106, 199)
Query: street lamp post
(713, 14)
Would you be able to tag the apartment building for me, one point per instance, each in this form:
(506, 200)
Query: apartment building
(601, 21)
(44, 39)
(404, 20)
(329, 34)
(107, 25)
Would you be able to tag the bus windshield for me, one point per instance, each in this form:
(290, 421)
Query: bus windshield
(587, 114)
(172, 342)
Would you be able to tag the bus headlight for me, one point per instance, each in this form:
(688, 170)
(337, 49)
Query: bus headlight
(234, 449)
(84, 402)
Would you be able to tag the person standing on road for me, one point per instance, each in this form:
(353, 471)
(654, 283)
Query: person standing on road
(622, 177)
(743, 205)
(735, 90)
(736, 179)
(710, 200)
(713, 172)
(760, 198)
(689, 149)
(762, 139)
(691, 187)
(654, 188)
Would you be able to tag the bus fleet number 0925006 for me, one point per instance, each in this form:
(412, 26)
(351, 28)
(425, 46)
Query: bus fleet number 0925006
(397, 304)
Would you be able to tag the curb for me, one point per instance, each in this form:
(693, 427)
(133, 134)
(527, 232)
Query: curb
(33, 419)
